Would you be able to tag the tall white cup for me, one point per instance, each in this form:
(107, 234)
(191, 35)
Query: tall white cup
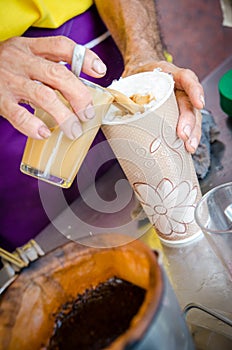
(154, 159)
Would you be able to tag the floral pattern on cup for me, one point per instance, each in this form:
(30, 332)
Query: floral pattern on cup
(170, 207)
(155, 161)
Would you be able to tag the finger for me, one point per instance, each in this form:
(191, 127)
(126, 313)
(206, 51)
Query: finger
(20, 89)
(187, 81)
(93, 65)
(23, 120)
(187, 118)
(87, 61)
(189, 123)
(50, 73)
(192, 143)
(51, 102)
(59, 78)
(56, 48)
(60, 48)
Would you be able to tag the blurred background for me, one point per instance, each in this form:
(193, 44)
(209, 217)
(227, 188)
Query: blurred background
(194, 33)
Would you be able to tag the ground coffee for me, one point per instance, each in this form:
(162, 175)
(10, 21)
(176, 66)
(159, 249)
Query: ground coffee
(97, 317)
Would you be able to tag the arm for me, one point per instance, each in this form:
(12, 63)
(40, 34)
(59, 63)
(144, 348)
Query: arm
(134, 27)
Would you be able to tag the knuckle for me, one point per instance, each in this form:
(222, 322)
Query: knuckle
(6, 77)
(57, 74)
(19, 117)
(44, 94)
(188, 74)
(56, 71)
(7, 49)
(12, 41)
(82, 100)
(184, 73)
(4, 105)
(9, 44)
(60, 42)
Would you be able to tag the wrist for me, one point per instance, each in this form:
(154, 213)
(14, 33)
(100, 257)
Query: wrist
(146, 61)
(144, 53)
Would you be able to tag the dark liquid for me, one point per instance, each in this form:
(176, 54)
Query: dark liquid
(97, 317)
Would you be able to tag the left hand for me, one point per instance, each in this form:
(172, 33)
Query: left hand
(26, 61)
(189, 95)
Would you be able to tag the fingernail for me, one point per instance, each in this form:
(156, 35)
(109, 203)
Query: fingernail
(89, 112)
(194, 143)
(202, 100)
(76, 130)
(44, 132)
(98, 66)
(187, 130)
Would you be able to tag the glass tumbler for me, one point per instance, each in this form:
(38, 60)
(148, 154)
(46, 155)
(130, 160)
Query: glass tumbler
(56, 160)
(213, 214)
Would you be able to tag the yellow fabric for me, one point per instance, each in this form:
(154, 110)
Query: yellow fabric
(18, 15)
(151, 239)
(168, 56)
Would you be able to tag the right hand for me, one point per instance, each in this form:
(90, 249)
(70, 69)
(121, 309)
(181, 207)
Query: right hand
(30, 72)
(189, 94)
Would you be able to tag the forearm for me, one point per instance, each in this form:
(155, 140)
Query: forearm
(134, 27)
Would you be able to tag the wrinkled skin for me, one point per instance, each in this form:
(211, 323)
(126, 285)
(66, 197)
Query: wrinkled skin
(25, 63)
(36, 63)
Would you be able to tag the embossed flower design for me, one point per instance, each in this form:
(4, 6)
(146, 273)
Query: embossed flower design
(170, 207)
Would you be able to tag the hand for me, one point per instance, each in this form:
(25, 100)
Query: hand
(189, 95)
(30, 72)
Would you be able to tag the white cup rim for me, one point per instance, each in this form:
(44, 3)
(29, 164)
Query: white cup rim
(124, 81)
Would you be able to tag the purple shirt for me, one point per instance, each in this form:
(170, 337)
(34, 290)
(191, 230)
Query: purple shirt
(22, 215)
